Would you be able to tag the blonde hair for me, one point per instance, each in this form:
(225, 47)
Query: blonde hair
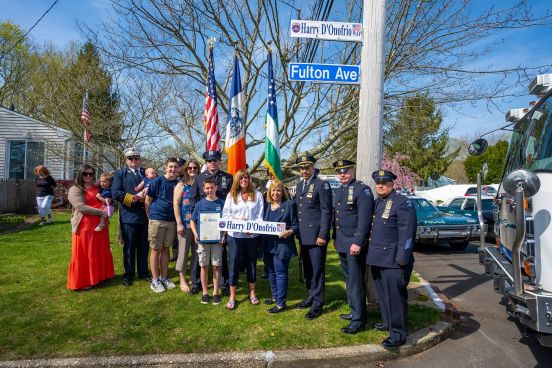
(275, 183)
(106, 176)
(41, 169)
(250, 190)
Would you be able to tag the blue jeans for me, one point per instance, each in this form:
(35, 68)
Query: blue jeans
(278, 277)
(43, 204)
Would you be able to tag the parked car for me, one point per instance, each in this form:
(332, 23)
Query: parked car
(435, 226)
(468, 206)
(486, 190)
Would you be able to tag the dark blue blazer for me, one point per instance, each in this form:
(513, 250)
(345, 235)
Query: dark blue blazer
(283, 248)
(314, 210)
(352, 215)
(223, 180)
(392, 238)
(122, 189)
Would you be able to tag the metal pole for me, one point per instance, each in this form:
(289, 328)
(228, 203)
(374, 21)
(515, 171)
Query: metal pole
(480, 213)
(518, 240)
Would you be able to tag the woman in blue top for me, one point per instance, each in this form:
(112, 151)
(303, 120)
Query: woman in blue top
(278, 250)
(182, 212)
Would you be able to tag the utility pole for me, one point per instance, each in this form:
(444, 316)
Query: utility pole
(370, 116)
(370, 121)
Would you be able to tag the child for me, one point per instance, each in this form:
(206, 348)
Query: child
(209, 253)
(106, 179)
(142, 188)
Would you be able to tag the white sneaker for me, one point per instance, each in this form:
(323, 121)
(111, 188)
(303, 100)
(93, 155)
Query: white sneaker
(168, 284)
(49, 221)
(157, 287)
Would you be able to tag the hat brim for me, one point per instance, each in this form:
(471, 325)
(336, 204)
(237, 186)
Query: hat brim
(305, 163)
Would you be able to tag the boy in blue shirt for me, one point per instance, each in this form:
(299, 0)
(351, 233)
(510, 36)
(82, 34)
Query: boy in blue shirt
(209, 253)
(162, 225)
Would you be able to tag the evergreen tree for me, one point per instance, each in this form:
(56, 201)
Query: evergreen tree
(494, 156)
(417, 134)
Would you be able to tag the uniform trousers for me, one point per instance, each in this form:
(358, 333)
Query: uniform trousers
(314, 271)
(278, 277)
(238, 248)
(353, 268)
(391, 288)
(135, 249)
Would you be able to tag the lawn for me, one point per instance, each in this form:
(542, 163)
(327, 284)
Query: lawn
(42, 318)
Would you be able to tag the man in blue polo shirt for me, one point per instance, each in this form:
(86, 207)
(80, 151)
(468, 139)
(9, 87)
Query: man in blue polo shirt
(162, 225)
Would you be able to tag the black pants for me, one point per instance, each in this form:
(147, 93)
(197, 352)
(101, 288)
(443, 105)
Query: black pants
(238, 247)
(353, 268)
(314, 271)
(391, 287)
(135, 249)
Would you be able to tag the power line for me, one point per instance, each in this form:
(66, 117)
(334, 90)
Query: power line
(30, 29)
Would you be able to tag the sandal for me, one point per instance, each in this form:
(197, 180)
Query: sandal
(254, 300)
(231, 305)
(184, 288)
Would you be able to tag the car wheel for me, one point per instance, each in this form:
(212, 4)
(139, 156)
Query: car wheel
(459, 246)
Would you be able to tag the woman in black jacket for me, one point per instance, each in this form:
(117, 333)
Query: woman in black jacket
(45, 185)
(279, 249)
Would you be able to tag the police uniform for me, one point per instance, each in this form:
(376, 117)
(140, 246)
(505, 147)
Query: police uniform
(314, 212)
(391, 259)
(224, 183)
(352, 221)
(133, 220)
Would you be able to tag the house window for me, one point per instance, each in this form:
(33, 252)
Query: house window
(24, 157)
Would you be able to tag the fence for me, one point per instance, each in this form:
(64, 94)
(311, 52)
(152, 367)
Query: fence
(19, 196)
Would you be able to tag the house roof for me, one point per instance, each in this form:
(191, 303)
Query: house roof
(58, 129)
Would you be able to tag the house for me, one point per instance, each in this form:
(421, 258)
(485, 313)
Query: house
(26, 142)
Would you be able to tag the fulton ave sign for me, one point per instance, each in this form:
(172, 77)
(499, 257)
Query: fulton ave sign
(329, 73)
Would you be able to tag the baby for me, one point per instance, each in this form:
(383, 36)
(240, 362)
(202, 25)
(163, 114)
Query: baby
(142, 188)
(105, 197)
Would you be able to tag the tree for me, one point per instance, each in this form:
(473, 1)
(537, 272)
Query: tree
(417, 133)
(429, 49)
(494, 156)
(406, 179)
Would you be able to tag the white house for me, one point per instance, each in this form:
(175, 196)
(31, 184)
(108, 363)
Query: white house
(26, 142)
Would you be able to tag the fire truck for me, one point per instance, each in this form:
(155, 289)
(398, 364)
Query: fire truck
(521, 261)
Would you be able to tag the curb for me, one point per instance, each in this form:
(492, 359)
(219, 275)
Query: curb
(348, 356)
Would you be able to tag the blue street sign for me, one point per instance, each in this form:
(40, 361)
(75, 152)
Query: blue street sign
(330, 73)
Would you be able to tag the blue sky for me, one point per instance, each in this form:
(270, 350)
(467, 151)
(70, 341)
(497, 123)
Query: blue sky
(518, 47)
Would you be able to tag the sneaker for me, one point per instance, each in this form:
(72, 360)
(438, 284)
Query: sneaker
(49, 221)
(168, 284)
(157, 287)
(205, 299)
(41, 223)
(216, 299)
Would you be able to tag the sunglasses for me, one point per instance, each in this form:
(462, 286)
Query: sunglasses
(192, 168)
(209, 161)
(133, 158)
(88, 173)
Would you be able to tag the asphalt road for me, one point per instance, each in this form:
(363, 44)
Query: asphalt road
(486, 337)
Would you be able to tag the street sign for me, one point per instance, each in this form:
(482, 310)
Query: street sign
(337, 31)
(330, 73)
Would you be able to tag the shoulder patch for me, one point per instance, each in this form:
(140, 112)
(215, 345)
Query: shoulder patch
(360, 182)
(367, 192)
(326, 185)
(409, 203)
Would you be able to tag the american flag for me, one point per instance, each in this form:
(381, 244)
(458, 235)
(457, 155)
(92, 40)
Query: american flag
(85, 119)
(210, 119)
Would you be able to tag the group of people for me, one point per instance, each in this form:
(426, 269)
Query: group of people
(367, 231)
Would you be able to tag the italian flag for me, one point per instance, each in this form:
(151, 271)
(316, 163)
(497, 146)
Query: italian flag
(272, 141)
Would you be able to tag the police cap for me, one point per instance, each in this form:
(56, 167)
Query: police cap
(211, 155)
(342, 166)
(131, 151)
(305, 160)
(383, 176)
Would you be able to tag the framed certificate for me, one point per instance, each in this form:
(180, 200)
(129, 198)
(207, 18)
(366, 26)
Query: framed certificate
(208, 227)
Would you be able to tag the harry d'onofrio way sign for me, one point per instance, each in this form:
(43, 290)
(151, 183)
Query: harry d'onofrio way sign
(337, 31)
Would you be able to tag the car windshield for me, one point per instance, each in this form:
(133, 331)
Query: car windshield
(423, 205)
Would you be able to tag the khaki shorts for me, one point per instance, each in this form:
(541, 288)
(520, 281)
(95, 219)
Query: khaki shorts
(210, 253)
(161, 233)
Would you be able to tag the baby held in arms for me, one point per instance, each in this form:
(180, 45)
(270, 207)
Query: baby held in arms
(142, 188)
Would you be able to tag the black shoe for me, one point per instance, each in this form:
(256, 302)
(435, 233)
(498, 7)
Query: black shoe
(303, 305)
(269, 301)
(194, 290)
(275, 309)
(225, 292)
(146, 278)
(351, 330)
(390, 344)
(381, 326)
(346, 317)
(127, 282)
(312, 315)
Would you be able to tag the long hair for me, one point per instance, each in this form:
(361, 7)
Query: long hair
(79, 182)
(186, 178)
(275, 183)
(235, 190)
(41, 169)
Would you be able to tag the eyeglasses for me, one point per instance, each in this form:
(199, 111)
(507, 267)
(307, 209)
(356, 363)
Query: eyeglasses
(133, 158)
(88, 173)
(192, 168)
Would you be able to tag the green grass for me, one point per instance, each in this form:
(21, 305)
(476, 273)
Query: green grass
(8, 222)
(42, 318)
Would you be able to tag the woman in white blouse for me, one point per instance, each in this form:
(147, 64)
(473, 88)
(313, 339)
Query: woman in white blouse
(243, 202)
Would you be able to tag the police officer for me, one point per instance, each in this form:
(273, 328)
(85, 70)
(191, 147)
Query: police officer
(132, 217)
(313, 198)
(354, 203)
(224, 183)
(390, 256)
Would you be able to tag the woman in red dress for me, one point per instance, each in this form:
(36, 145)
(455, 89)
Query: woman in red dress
(91, 260)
